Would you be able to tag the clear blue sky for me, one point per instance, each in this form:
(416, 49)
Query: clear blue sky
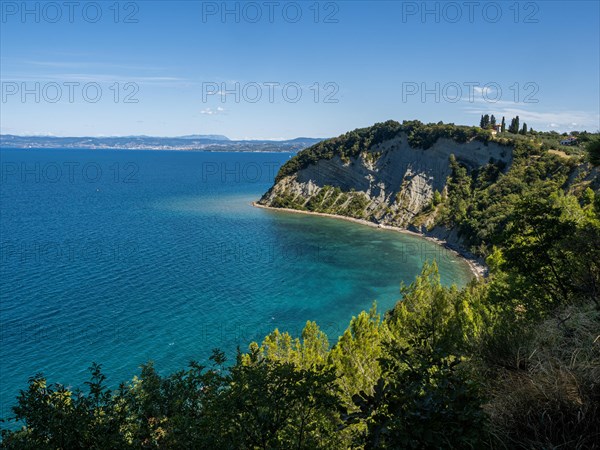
(376, 57)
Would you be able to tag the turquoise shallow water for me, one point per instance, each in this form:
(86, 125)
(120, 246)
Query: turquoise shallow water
(121, 257)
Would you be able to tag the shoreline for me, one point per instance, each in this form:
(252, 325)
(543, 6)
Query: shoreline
(478, 269)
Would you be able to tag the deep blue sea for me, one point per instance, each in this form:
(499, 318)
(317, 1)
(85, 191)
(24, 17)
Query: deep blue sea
(121, 257)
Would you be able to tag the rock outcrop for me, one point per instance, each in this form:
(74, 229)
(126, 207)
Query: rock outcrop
(390, 183)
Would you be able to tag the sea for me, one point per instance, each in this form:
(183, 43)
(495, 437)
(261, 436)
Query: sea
(122, 257)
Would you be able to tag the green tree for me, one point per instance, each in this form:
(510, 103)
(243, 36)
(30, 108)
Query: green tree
(514, 126)
(310, 352)
(55, 417)
(593, 151)
(425, 398)
(503, 125)
(423, 401)
(552, 245)
(485, 121)
(277, 405)
(437, 198)
(356, 354)
(459, 191)
(588, 197)
(452, 317)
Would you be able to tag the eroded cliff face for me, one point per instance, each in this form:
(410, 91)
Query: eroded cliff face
(391, 183)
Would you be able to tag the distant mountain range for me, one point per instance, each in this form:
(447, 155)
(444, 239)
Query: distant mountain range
(209, 142)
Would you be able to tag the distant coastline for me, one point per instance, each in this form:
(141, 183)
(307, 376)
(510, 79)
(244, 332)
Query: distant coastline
(478, 269)
(183, 143)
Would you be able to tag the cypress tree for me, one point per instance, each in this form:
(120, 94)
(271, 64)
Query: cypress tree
(486, 121)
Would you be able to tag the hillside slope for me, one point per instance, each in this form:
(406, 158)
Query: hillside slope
(436, 179)
(390, 183)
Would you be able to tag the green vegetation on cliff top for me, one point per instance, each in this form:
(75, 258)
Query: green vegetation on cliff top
(420, 135)
(355, 142)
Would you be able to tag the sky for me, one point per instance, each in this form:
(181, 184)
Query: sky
(279, 70)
